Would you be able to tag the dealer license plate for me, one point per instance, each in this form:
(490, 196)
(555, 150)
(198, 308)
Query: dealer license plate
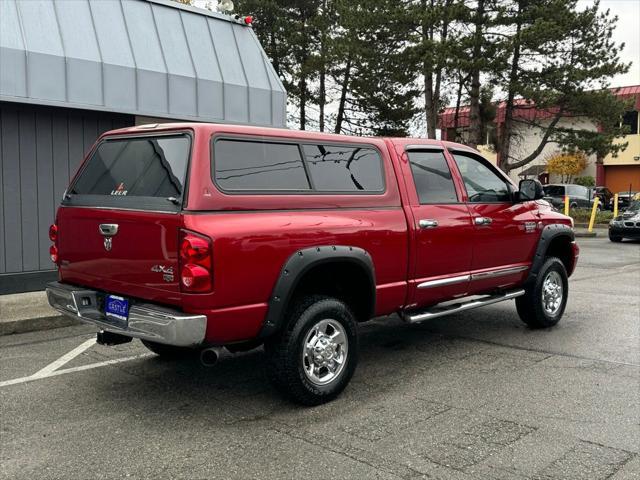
(117, 309)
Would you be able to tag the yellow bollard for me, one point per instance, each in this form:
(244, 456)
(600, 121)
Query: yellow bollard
(566, 205)
(594, 210)
(615, 205)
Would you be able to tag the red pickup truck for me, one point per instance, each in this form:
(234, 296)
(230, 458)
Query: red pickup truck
(193, 237)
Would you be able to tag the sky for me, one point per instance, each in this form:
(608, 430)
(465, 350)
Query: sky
(627, 31)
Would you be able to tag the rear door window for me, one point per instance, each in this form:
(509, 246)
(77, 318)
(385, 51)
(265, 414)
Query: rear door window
(432, 177)
(341, 168)
(241, 165)
(134, 172)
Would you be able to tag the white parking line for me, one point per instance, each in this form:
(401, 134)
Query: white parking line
(55, 373)
(46, 371)
(52, 369)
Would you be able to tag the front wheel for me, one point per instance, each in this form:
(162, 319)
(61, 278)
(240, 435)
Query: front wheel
(614, 238)
(544, 302)
(312, 360)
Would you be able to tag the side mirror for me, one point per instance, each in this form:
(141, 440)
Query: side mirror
(530, 189)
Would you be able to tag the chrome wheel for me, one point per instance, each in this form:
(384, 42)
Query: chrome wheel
(324, 352)
(552, 293)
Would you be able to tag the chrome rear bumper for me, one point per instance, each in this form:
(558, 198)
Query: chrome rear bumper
(146, 321)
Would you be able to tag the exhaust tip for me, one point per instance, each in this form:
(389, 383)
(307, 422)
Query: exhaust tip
(209, 357)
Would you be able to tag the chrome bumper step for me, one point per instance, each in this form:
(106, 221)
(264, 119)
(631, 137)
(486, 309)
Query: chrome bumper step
(449, 308)
(146, 321)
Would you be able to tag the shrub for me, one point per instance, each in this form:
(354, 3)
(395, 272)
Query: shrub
(586, 181)
(583, 215)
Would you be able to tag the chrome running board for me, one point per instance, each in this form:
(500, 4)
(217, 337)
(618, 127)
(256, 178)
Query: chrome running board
(441, 310)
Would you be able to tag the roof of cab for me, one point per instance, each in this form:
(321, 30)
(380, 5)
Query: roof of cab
(211, 128)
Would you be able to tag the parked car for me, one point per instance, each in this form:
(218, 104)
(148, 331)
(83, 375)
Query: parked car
(193, 237)
(605, 196)
(626, 225)
(624, 199)
(579, 196)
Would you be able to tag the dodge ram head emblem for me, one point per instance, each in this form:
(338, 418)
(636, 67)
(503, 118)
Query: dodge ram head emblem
(108, 231)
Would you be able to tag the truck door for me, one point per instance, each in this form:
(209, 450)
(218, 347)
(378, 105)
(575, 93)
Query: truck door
(505, 232)
(442, 229)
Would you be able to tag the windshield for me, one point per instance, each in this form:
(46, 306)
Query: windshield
(634, 206)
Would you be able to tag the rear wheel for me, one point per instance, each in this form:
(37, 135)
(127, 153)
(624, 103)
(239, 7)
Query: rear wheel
(170, 352)
(544, 302)
(312, 360)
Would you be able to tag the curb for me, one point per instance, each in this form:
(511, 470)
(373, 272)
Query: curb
(586, 234)
(36, 324)
(601, 226)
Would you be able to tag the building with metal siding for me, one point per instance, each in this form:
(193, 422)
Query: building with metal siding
(72, 69)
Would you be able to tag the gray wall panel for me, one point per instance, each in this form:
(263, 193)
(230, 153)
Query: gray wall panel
(44, 164)
(40, 147)
(210, 99)
(43, 74)
(13, 72)
(60, 154)
(28, 190)
(153, 92)
(182, 95)
(11, 191)
(120, 87)
(84, 81)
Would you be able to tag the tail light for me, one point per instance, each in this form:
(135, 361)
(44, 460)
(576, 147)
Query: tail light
(53, 254)
(196, 265)
(53, 249)
(53, 233)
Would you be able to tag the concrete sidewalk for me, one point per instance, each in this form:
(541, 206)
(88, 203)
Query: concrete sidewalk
(27, 312)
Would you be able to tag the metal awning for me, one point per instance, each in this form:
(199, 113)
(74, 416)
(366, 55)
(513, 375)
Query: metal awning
(153, 58)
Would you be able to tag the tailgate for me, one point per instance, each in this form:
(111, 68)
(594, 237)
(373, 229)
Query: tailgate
(138, 255)
(119, 223)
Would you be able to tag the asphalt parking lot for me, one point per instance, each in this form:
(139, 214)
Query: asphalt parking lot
(472, 396)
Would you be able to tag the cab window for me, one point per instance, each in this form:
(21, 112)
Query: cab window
(432, 177)
(482, 183)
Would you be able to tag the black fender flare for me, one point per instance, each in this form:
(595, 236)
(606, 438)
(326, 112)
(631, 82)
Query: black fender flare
(300, 263)
(549, 233)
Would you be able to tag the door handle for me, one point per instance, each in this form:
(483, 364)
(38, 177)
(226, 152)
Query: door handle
(428, 223)
(108, 229)
(482, 220)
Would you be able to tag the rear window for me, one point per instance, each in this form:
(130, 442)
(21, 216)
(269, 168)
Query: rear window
(151, 168)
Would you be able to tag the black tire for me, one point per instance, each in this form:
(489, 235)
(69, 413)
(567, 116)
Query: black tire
(285, 351)
(614, 238)
(170, 352)
(530, 306)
